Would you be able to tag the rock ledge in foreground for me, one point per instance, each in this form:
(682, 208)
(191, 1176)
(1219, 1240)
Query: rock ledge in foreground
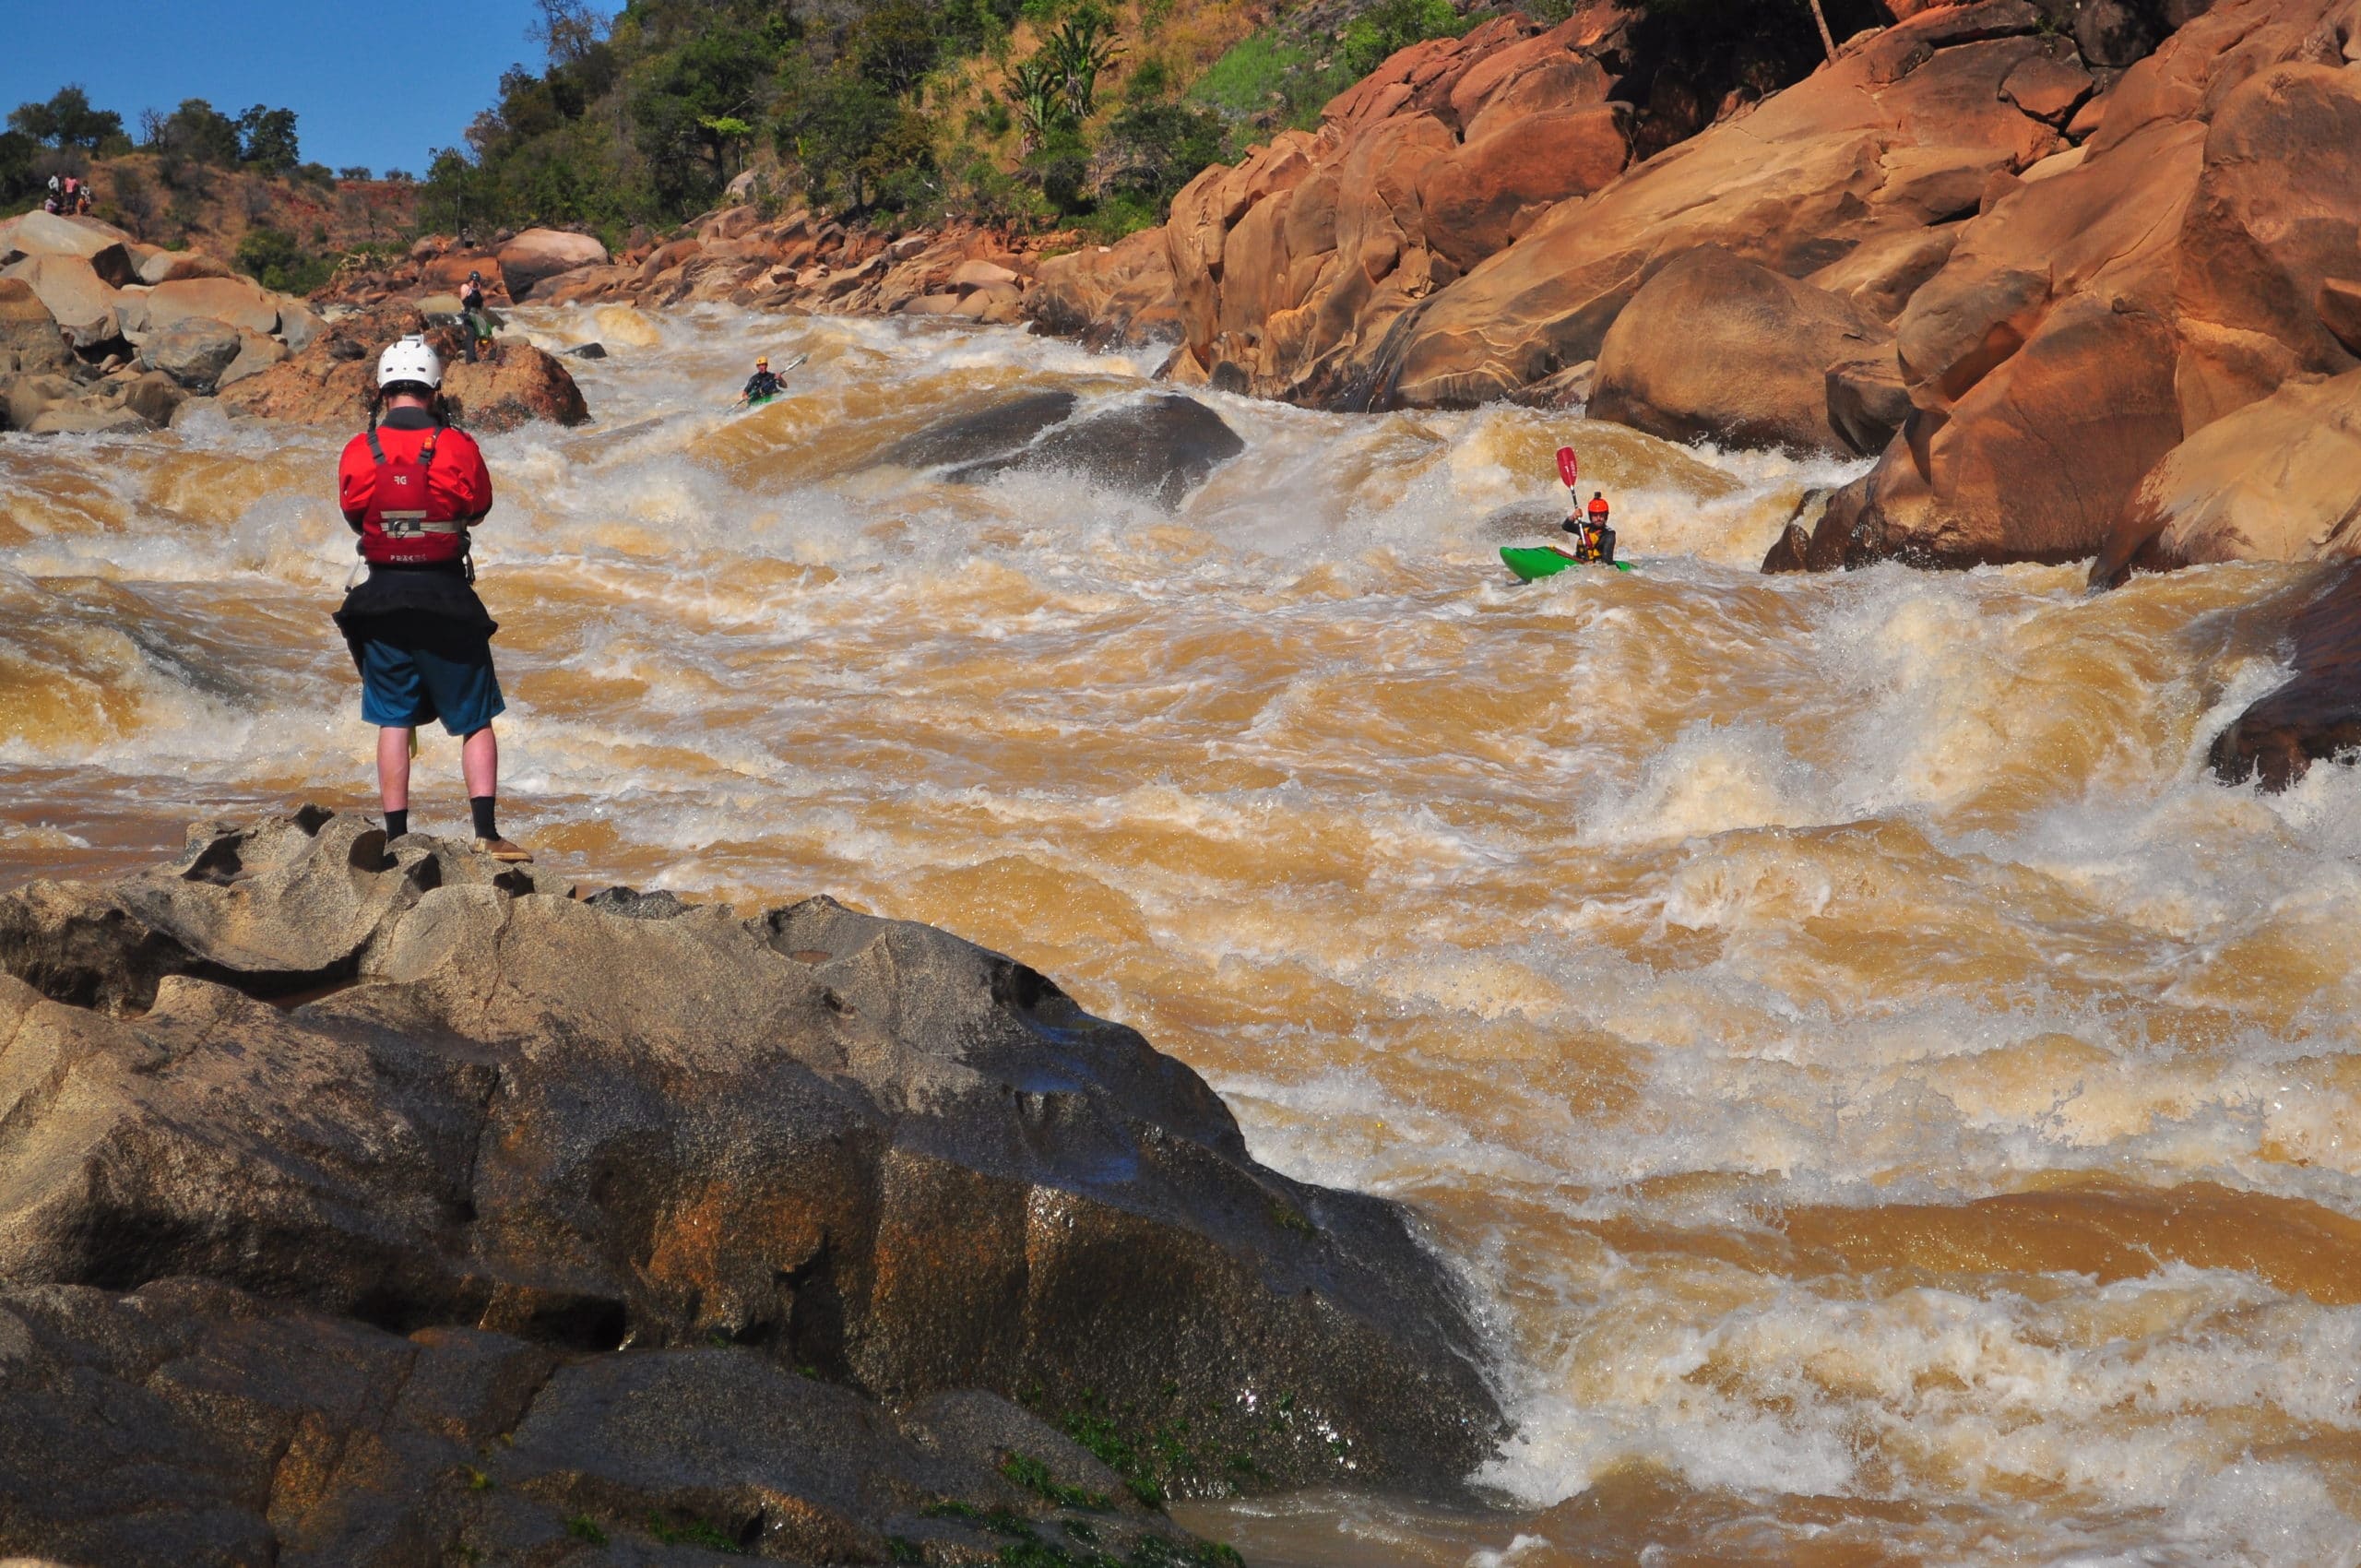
(589, 1133)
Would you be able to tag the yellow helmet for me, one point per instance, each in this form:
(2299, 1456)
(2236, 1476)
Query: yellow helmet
(762, 362)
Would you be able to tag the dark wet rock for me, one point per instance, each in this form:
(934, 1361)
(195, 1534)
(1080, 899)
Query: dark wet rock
(586, 351)
(2316, 714)
(992, 432)
(633, 904)
(855, 1146)
(1161, 447)
(188, 1422)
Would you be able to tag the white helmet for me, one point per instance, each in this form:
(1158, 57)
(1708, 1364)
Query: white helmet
(409, 358)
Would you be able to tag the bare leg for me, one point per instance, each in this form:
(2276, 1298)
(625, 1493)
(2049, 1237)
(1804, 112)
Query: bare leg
(393, 768)
(479, 762)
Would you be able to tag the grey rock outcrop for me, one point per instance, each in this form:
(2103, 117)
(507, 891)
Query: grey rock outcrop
(187, 1422)
(595, 1130)
(1161, 447)
(192, 351)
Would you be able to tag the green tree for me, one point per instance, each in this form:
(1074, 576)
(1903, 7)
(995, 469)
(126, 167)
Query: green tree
(67, 121)
(896, 45)
(18, 178)
(568, 30)
(459, 196)
(266, 139)
(734, 134)
(198, 131)
(712, 75)
(1061, 166)
(1156, 148)
(849, 135)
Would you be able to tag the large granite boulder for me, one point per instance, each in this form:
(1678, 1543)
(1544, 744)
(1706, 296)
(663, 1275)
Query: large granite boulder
(2277, 480)
(2190, 259)
(1289, 266)
(858, 1147)
(194, 351)
(233, 302)
(1716, 348)
(181, 267)
(1900, 133)
(81, 239)
(1118, 296)
(82, 304)
(539, 255)
(30, 342)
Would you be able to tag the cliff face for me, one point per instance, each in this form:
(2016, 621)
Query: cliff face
(1479, 190)
(2014, 254)
(389, 1106)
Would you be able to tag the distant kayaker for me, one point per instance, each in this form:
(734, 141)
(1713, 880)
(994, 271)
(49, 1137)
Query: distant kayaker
(762, 383)
(411, 487)
(1594, 541)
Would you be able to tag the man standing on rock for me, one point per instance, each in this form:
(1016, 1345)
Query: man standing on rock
(411, 487)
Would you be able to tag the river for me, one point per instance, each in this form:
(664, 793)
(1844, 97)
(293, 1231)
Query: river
(1890, 1105)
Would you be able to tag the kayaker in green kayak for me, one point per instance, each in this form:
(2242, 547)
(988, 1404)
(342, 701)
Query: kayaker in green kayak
(1593, 544)
(1594, 541)
(760, 384)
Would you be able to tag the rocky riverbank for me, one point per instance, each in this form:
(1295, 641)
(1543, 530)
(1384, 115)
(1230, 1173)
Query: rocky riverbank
(367, 1203)
(100, 334)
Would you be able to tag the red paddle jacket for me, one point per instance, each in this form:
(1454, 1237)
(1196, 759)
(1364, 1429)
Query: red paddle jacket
(458, 486)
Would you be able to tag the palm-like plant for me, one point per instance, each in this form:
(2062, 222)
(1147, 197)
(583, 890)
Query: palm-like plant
(1037, 94)
(1082, 47)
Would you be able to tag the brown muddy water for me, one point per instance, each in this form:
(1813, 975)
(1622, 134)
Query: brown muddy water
(1890, 1105)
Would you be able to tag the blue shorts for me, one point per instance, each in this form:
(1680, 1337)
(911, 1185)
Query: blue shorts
(406, 684)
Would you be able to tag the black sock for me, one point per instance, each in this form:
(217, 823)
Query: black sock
(397, 823)
(481, 805)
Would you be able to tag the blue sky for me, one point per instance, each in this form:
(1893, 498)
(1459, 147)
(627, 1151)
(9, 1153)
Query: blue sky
(377, 84)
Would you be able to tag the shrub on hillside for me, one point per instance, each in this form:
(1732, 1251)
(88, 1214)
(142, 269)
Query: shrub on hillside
(19, 178)
(1267, 81)
(276, 260)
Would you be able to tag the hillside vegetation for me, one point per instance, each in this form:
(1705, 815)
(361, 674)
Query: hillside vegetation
(236, 187)
(1018, 113)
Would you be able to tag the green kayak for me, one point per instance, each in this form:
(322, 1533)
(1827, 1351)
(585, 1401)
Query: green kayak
(1529, 562)
(768, 398)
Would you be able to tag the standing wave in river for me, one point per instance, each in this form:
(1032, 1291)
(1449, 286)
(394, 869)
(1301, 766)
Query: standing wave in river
(1891, 1106)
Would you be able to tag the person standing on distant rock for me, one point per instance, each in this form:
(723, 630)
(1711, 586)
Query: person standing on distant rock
(412, 487)
(477, 324)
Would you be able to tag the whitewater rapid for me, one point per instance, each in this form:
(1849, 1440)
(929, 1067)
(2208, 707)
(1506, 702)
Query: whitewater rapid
(1890, 1104)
